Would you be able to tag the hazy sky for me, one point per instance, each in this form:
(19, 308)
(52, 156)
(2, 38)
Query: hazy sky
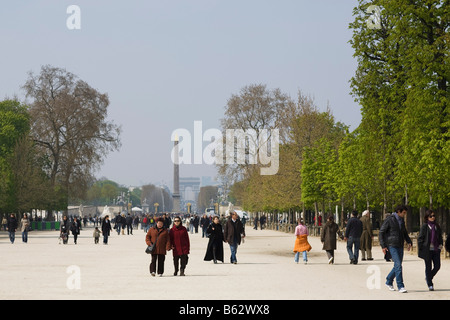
(166, 64)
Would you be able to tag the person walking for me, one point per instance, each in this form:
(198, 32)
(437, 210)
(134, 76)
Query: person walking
(64, 230)
(4, 223)
(204, 222)
(11, 227)
(429, 243)
(160, 236)
(328, 238)
(233, 233)
(353, 232)
(366, 236)
(214, 250)
(129, 223)
(118, 223)
(24, 226)
(179, 239)
(301, 242)
(96, 235)
(75, 228)
(106, 229)
(392, 236)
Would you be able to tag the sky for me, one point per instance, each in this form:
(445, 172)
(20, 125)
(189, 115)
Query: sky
(165, 64)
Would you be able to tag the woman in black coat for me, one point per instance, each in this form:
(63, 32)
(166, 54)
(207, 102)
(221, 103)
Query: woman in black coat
(429, 245)
(106, 228)
(214, 251)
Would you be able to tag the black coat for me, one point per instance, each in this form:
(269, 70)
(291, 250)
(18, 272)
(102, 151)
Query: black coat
(106, 227)
(75, 227)
(215, 235)
(424, 240)
(233, 230)
(391, 235)
(12, 224)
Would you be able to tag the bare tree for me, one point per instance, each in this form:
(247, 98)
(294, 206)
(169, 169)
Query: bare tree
(69, 125)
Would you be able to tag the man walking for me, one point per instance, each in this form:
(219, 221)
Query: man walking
(233, 233)
(11, 227)
(392, 236)
(353, 233)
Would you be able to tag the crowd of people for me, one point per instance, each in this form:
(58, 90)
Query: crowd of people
(392, 237)
(170, 232)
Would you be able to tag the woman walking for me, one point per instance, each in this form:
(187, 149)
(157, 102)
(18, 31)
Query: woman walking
(106, 229)
(328, 238)
(214, 250)
(301, 242)
(179, 240)
(160, 236)
(24, 226)
(429, 244)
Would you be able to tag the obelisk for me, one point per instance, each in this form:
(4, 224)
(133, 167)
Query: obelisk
(176, 178)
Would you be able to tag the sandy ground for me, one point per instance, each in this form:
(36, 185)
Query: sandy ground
(45, 269)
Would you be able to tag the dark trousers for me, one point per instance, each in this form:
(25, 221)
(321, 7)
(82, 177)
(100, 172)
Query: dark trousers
(176, 262)
(157, 261)
(129, 229)
(430, 271)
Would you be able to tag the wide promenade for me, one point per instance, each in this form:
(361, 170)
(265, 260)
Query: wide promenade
(45, 269)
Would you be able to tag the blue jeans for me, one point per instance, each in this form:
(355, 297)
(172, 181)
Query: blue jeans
(297, 256)
(396, 272)
(25, 236)
(12, 236)
(353, 242)
(233, 249)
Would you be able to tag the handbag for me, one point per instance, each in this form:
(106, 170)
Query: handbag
(152, 247)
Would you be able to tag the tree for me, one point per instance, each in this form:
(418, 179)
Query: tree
(402, 85)
(206, 195)
(69, 126)
(14, 125)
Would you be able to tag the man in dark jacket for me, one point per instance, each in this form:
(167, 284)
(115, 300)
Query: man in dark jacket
(353, 232)
(233, 233)
(392, 236)
(11, 227)
(129, 222)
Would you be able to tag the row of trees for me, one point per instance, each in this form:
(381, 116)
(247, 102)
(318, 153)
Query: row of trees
(400, 152)
(51, 144)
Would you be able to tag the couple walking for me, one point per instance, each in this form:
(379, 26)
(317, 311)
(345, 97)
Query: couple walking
(175, 239)
(232, 233)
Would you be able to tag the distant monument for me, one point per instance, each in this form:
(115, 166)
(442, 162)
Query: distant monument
(176, 178)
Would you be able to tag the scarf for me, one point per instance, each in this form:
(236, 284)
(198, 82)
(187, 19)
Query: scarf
(433, 239)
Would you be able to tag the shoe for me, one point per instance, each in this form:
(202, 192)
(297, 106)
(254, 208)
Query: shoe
(175, 273)
(182, 273)
(390, 287)
(306, 262)
(370, 259)
(153, 274)
(402, 290)
(352, 261)
(331, 260)
(355, 261)
(431, 288)
(160, 275)
(364, 259)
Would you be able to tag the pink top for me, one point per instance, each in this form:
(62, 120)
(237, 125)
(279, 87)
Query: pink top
(301, 230)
